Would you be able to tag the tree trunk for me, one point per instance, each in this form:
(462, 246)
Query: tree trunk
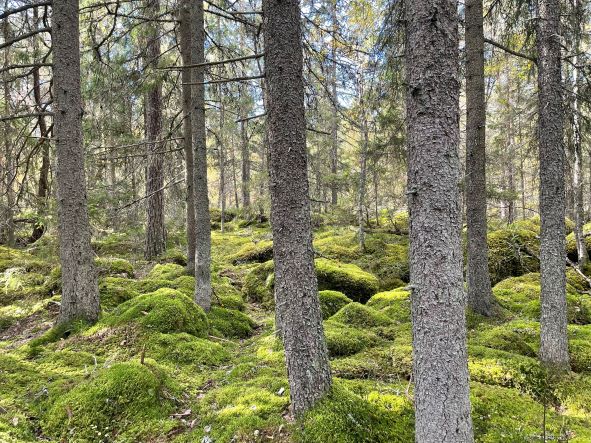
(442, 400)
(554, 342)
(362, 178)
(9, 173)
(222, 162)
(296, 290)
(80, 297)
(155, 230)
(202, 219)
(480, 297)
(186, 37)
(244, 151)
(334, 123)
(579, 210)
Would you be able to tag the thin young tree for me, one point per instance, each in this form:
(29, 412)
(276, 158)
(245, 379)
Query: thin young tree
(80, 296)
(553, 321)
(480, 297)
(186, 38)
(442, 400)
(296, 288)
(203, 289)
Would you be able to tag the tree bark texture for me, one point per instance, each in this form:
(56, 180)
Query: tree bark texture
(202, 219)
(155, 229)
(554, 342)
(80, 296)
(296, 289)
(442, 401)
(480, 297)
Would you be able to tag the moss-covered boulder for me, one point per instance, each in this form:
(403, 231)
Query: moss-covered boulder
(124, 396)
(331, 302)
(512, 252)
(185, 349)
(521, 296)
(114, 291)
(253, 253)
(361, 316)
(230, 323)
(147, 285)
(175, 256)
(349, 279)
(343, 340)
(395, 304)
(114, 266)
(166, 271)
(258, 284)
(345, 417)
(571, 244)
(506, 338)
(165, 310)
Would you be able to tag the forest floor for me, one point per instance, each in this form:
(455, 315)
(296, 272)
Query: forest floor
(155, 368)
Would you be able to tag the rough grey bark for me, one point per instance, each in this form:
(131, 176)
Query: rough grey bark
(202, 219)
(155, 230)
(244, 151)
(480, 297)
(80, 296)
(579, 210)
(296, 289)
(554, 342)
(362, 178)
(186, 37)
(442, 401)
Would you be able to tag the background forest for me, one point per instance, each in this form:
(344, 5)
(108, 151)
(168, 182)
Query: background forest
(186, 346)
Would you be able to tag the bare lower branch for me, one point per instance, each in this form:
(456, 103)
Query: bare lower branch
(23, 37)
(510, 51)
(220, 62)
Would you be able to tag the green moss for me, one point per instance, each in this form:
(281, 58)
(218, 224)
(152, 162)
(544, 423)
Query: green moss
(506, 415)
(230, 323)
(167, 271)
(361, 316)
(401, 223)
(347, 418)
(580, 355)
(258, 284)
(343, 340)
(123, 396)
(165, 310)
(254, 253)
(331, 302)
(114, 291)
(14, 258)
(147, 285)
(512, 253)
(505, 338)
(17, 284)
(114, 266)
(521, 296)
(173, 255)
(58, 332)
(395, 304)
(496, 367)
(185, 349)
(349, 279)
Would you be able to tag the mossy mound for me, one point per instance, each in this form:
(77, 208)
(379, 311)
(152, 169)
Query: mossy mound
(347, 418)
(123, 397)
(495, 367)
(529, 224)
(175, 256)
(114, 291)
(401, 222)
(349, 279)
(166, 271)
(336, 245)
(505, 338)
(387, 261)
(15, 258)
(114, 266)
(258, 284)
(571, 243)
(17, 284)
(230, 323)
(165, 310)
(147, 285)
(521, 296)
(331, 302)
(185, 349)
(253, 253)
(343, 340)
(361, 316)
(395, 304)
(512, 252)
(119, 244)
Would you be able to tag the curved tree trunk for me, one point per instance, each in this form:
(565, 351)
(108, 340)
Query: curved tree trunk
(186, 37)
(202, 220)
(554, 341)
(442, 400)
(296, 289)
(480, 297)
(155, 230)
(80, 297)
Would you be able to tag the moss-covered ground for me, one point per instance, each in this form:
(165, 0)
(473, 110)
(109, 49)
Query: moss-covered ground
(156, 368)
